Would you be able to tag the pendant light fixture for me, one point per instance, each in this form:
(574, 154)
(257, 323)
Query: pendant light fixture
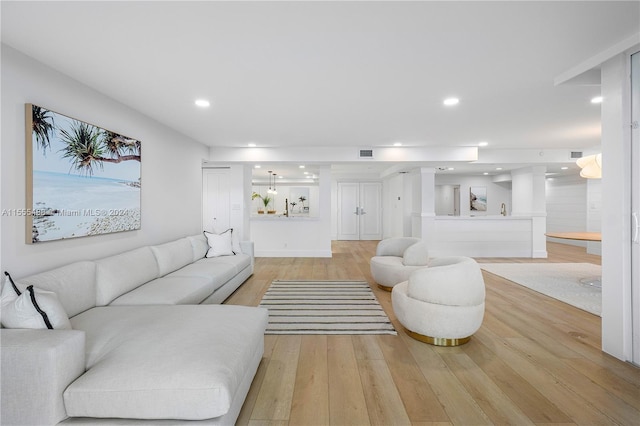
(274, 185)
(272, 190)
(269, 191)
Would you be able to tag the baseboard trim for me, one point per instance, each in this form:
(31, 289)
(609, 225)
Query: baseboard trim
(293, 253)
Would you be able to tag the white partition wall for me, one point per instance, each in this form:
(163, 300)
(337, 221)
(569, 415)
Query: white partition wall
(528, 197)
(482, 236)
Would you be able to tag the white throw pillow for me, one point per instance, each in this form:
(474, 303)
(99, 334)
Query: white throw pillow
(219, 244)
(235, 242)
(32, 308)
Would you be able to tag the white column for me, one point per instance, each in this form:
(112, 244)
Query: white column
(427, 204)
(528, 199)
(616, 205)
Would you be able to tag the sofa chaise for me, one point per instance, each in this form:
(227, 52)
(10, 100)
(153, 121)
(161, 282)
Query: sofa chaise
(146, 341)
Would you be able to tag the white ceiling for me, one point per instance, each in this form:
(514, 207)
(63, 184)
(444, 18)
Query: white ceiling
(367, 74)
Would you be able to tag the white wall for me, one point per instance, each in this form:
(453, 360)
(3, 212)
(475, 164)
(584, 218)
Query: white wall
(566, 206)
(445, 200)
(171, 168)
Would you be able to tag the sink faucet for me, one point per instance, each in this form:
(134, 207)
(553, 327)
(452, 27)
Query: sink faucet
(503, 209)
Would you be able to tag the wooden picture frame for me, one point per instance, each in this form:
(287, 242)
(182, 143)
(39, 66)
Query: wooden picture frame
(81, 179)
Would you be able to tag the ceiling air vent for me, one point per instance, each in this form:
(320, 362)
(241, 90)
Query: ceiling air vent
(366, 153)
(576, 154)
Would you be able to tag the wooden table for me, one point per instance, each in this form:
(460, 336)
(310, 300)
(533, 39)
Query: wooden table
(582, 236)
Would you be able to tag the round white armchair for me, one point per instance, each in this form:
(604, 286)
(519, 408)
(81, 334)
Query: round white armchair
(442, 304)
(396, 258)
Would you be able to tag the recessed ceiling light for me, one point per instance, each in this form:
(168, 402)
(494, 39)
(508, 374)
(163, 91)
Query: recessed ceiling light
(397, 144)
(301, 166)
(450, 168)
(596, 100)
(306, 173)
(451, 101)
(485, 173)
(257, 166)
(564, 168)
(483, 143)
(202, 103)
(498, 168)
(251, 145)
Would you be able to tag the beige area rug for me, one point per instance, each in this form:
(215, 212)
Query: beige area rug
(324, 307)
(558, 280)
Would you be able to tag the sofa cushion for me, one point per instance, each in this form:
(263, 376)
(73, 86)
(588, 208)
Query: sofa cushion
(119, 274)
(238, 262)
(170, 290)
(215, 269)
(31, 308)
(73, 284)
(164, 362)
(173, 255)
(199, 246)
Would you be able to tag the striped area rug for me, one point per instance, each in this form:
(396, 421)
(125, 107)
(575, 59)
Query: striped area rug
(324, 307)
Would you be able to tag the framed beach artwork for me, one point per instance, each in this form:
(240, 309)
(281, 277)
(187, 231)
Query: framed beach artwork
(82, 179)
(478, 198)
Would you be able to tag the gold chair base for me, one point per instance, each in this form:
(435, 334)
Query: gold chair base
(385, 288)
(438, 341)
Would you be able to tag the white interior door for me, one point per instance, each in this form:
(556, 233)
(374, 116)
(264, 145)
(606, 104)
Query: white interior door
(359, 211)
(635, 204)
(215, 200)
(370, 211)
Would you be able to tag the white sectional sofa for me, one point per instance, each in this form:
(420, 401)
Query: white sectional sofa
(148, 343)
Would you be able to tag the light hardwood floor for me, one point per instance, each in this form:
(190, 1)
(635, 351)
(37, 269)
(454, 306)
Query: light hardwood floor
(535, 360)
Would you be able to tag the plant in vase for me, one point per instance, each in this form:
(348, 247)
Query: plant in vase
(302, 199)
(266, 200)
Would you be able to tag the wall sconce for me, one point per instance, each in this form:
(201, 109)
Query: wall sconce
(591, 166)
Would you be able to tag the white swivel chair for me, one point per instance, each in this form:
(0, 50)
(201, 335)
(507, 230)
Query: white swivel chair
(396, 258)
(442, 304)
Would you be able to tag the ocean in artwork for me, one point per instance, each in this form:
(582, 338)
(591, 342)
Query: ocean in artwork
(67, 205)
(478, 199)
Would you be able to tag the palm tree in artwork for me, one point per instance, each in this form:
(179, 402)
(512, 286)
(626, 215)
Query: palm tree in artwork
(83, 147)
(88, 146)
(120, 147)
(42, 126)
